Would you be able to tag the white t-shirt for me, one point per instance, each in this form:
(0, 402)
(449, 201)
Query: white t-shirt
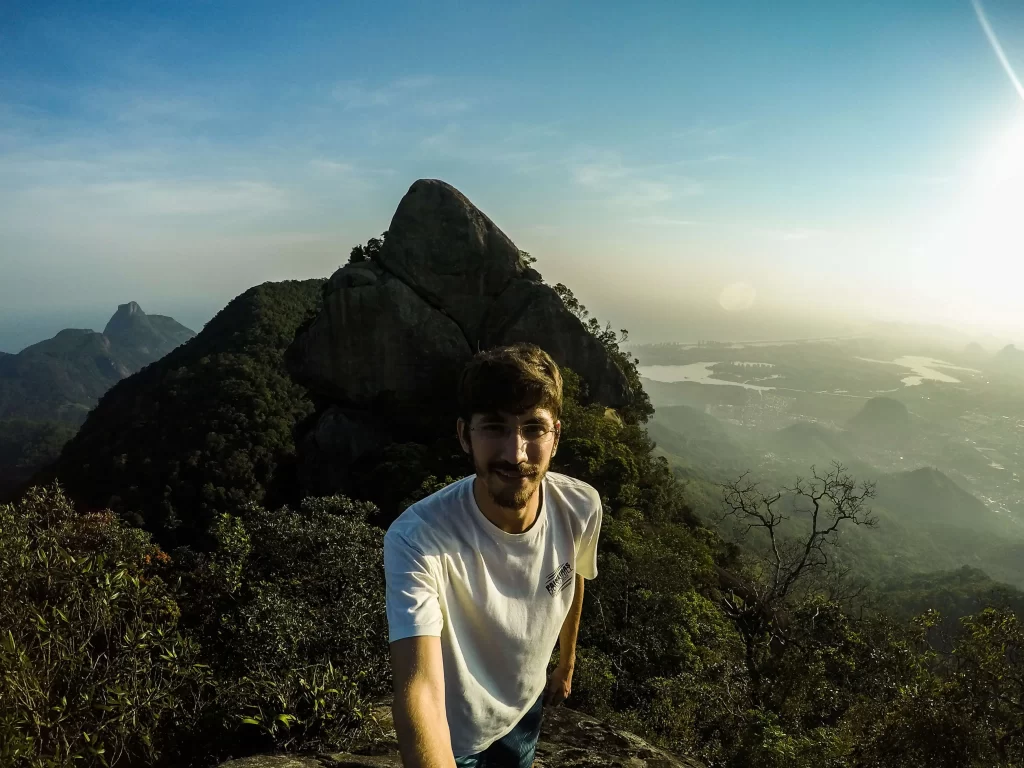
(497, 600)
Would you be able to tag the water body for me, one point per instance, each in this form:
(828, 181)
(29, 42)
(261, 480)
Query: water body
(924, 368)
(700, 373)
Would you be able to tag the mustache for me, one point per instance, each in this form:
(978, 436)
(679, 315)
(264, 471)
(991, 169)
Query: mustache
(523, 470)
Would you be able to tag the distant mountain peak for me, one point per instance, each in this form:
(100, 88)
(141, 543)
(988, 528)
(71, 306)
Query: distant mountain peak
(63, 377)
(125, 316)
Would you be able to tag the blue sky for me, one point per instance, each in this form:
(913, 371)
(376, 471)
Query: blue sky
(818, 161)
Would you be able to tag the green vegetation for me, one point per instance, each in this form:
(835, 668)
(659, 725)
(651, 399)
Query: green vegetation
(92, 665)
(263, 628)
(369, 251)
(204, 430)
(112, 653)
(26, 447)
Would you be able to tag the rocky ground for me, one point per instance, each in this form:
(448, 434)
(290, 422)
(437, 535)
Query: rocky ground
(569, 739)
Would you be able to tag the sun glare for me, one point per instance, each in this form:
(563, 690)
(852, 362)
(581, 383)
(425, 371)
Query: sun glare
(996, 196)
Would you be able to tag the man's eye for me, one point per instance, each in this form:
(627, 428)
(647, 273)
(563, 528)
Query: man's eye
(493, 430)
(534, 431)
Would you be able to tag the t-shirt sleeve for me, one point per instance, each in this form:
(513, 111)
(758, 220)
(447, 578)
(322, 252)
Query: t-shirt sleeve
(586, 555)
(411, 595)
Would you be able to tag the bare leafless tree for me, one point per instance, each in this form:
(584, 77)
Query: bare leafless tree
(789, 559)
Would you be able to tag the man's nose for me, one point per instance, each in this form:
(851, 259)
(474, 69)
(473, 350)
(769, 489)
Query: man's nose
(513, 449)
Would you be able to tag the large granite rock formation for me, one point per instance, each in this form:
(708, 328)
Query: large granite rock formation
(383, 356)
(568, 739)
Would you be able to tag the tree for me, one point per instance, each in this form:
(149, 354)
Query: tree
(639, 408)
(785, 563)
(368, 252)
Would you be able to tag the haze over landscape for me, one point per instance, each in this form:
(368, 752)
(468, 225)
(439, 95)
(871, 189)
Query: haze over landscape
(810, 168)
(246, 251)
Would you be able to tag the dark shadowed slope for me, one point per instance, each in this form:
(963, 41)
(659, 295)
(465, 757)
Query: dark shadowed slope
(204, 429)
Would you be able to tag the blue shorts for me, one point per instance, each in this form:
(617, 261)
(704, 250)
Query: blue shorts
(513, 750)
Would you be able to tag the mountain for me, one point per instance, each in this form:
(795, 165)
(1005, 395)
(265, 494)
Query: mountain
(341, 386)
(1010, 359)
(693, 438)
(882, 418)
(928, 496)
(62, 378)
(203, 429)
(383, 357)
(808, 443)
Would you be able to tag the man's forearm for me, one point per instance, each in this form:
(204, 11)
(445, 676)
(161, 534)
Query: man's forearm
(571, 628)
(422, 728)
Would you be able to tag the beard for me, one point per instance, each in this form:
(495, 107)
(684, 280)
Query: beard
(510, 492)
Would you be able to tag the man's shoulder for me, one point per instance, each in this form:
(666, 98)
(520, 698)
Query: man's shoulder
(573, 490)
(425, 519)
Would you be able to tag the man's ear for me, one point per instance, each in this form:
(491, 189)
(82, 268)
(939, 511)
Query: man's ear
(558, 434)
(462, 430)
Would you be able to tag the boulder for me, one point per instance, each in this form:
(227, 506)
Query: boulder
(377, 345)
(450, 253)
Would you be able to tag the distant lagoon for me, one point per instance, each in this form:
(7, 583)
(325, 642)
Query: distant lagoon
(700, 373)
(923, 368)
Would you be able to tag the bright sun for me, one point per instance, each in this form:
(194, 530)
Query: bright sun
(996, 197)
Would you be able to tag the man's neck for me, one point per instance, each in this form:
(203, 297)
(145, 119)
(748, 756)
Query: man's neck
(508, 520)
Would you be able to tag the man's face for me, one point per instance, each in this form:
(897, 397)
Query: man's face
(511, 452)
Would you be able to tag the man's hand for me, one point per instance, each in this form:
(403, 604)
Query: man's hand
(559, 686)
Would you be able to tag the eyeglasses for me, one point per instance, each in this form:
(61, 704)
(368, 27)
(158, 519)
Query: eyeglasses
(532, 433)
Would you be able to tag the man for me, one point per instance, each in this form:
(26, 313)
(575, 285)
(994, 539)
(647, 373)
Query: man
(486, 574)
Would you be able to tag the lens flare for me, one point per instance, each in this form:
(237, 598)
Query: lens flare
(996, 47)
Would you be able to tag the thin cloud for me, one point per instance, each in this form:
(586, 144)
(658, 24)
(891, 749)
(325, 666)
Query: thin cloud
(632, 185)
(155, 199)
(662, 221)
(329, 167)
(790, 235)
(705, 133)
(356, 94)
(149, 109)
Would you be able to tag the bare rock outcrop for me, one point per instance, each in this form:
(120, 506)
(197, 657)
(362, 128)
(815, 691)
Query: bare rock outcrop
(383, 356)
(568, 739)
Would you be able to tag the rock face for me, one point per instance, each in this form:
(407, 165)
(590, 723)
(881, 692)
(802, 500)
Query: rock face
(568, 739)
(394, 333)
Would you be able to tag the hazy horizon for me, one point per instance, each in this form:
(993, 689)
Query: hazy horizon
(690, 172)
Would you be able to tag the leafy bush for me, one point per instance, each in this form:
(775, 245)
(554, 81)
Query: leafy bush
(290, 606)
(93, 667)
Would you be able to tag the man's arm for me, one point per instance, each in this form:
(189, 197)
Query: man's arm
(420, 722)
(560, 679)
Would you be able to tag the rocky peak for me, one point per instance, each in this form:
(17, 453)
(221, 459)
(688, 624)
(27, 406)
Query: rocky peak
(449, 252)
(124, 317)
(383, 356)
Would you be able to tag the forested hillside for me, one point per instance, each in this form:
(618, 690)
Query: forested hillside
(206, 429)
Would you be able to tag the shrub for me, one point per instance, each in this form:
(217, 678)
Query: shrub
(290, 605)
(93, 669)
